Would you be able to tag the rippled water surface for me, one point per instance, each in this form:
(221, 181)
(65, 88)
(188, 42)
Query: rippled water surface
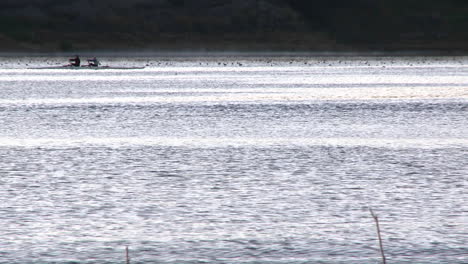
(234, 160)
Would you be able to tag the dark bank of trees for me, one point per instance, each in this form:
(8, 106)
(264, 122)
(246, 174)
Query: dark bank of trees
(221, 24)
(377, 21)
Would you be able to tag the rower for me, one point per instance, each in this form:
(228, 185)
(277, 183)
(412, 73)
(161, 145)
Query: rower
(93, 62)
(75, 61)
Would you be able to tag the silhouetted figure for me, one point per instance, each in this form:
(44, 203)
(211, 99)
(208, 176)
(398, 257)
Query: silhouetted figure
(93, 62)
(75, 61)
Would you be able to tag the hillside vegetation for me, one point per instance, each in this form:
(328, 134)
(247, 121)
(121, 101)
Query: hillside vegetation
(57, 25)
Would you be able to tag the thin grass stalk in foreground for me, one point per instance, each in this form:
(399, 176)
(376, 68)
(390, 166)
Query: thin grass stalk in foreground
(127, 255)
(376, 219)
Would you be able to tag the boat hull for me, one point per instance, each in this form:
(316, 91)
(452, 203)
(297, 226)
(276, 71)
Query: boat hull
(69, 67)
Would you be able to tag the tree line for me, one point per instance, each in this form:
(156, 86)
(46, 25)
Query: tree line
(366, 23)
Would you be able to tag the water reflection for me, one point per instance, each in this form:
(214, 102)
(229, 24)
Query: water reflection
(252, 164)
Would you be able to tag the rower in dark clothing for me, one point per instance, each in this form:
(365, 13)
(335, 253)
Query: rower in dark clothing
(75, 61)
(93, 62)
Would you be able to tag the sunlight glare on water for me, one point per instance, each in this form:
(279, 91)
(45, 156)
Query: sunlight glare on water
(234, 160)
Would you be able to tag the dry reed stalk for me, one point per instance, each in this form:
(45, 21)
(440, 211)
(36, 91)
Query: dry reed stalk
(376, 219)
(127, 255)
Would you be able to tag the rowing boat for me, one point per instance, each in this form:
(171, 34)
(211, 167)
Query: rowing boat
(86, 67)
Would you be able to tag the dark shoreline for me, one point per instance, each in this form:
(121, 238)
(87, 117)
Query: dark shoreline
(214, 54)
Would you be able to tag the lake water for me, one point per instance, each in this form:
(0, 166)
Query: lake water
(234, 160)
